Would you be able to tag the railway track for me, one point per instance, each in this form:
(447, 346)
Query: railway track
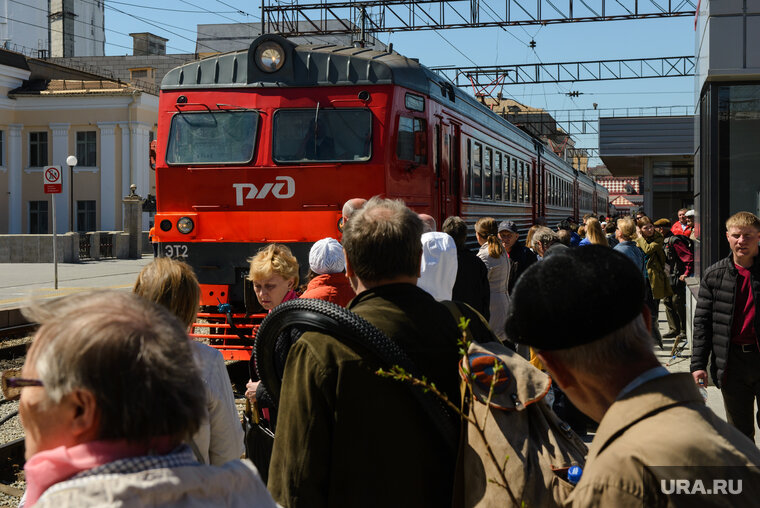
(15, 339)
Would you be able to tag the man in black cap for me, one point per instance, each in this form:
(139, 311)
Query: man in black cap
(520, 256)
(647, 417)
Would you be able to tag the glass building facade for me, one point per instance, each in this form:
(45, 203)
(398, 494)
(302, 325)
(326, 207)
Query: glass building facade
(728, 155)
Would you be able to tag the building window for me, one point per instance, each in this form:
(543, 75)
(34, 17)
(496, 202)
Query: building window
(38, 149)
(38, 217)
(86, 216)
(87, 153)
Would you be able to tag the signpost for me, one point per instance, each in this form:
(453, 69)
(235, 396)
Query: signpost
(52, 184)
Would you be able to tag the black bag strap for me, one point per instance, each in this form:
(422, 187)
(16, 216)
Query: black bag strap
(349, 328)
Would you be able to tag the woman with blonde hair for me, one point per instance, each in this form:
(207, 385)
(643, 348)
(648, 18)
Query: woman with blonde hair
(529, 236)
(274, 273)
(173, 285)
(594, 234)
(495, 258)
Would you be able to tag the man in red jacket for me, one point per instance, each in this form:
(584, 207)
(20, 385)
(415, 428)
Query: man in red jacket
(681, 227)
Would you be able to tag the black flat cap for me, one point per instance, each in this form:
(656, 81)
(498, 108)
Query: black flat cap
(574, 297)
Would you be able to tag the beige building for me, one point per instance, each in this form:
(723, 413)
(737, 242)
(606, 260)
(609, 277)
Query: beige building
(47, 114)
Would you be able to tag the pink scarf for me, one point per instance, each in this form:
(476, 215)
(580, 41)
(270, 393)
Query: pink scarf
(48, 467)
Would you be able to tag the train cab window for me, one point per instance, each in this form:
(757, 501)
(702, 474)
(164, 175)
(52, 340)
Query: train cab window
(487, 174)
(322, 135)
(477, 174)
(497, 186)
(414, 102)
(213, 137)
(412, 140)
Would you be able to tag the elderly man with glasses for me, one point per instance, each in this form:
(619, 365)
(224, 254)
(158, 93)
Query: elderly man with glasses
(109, 394)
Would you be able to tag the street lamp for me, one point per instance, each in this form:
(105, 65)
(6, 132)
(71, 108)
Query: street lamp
(71, 162)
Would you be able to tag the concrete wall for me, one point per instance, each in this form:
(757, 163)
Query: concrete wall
(25, 24)
(38, 248)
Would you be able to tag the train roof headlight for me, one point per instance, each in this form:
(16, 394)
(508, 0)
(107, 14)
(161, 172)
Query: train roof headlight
(270, 56)
(185, 225)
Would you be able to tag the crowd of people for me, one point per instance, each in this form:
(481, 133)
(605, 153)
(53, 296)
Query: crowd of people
(121, 408)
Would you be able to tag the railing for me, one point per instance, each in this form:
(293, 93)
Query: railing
(106, 245)
(84, 246)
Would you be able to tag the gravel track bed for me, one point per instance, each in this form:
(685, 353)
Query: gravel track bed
(11, 430)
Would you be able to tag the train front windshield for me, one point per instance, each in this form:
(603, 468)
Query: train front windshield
(322, 135)
(213, 137)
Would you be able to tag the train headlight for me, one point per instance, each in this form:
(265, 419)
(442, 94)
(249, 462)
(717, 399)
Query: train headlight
(270, 56)
(185, 225)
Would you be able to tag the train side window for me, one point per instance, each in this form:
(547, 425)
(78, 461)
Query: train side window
(526, 184)
(468, 170)
(520, 181)
(437, 150)
(550, 191)
(506, 178)
(497, 176)
(414, 102)
(514, 180)
(487, 174)
(477, 174)
(411, 144)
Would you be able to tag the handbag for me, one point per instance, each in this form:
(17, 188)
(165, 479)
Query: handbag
(259, 439)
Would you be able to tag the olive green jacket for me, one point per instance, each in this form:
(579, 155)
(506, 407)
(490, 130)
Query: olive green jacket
(654, 250)
(346, 436)
(663, 422)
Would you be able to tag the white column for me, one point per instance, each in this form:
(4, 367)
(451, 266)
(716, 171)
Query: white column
(60, 152)
(108, 199)
(140, 166)
(15, 203)
(126, 178)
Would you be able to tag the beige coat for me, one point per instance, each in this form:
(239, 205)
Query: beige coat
(663, 422)
(654, 250)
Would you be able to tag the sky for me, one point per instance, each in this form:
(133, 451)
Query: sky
(177, 21)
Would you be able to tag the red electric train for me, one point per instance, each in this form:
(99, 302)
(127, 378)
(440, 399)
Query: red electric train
(265, 145)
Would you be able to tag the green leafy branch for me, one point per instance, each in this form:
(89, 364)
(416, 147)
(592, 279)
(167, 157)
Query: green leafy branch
(399, 374)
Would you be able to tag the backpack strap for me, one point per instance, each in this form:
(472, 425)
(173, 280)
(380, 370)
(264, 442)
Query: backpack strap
(457, 314)
(349, 328)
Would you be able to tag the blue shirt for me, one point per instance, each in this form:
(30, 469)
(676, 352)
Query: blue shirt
(645, 376)
(633, 252)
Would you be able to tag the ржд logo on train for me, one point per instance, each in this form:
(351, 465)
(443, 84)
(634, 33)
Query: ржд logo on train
(254, 192)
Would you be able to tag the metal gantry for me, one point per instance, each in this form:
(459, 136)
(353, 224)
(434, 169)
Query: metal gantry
(582, 121)
(293, 17)
(482, 77)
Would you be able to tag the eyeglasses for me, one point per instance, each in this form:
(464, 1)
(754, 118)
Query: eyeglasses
(11, 384)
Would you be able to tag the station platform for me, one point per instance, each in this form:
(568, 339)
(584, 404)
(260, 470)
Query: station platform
(22, 282)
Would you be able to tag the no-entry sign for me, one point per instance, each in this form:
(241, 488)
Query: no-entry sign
(53, 183)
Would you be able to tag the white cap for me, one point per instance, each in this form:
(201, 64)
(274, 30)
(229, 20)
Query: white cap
(690, 213)
(326, 256)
